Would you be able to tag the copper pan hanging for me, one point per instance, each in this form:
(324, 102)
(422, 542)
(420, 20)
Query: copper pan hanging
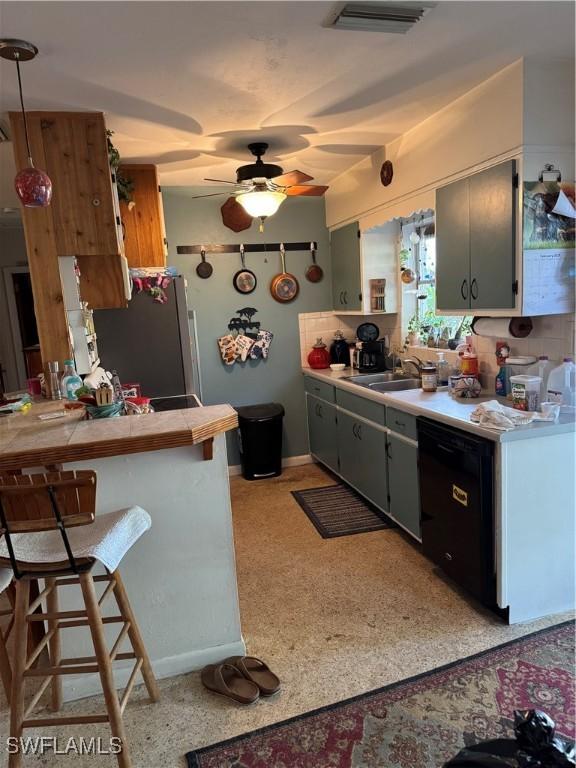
(314, 272)
(284, 287)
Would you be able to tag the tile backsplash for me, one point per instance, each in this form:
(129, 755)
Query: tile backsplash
(552, 335)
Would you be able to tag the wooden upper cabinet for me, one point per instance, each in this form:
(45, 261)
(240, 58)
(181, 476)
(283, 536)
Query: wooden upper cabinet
(74, 153)
(143, 222)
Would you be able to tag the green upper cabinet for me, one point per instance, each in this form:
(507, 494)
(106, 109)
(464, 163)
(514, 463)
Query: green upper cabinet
(346, 268)
(476, 241)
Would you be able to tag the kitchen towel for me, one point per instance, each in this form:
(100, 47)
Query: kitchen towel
(107, 539)
(494, 415)
(502, 327)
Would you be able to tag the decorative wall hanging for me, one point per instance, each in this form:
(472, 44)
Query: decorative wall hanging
(284, 287)
(244, 281)
(386, 173)
(245, 340)
(32, 185)
(154, 286)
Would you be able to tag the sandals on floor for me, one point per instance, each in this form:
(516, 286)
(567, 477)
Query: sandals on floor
(228, 681)
(257, 672)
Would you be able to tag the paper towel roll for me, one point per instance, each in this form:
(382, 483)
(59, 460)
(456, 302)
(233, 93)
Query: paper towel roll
(502, 327)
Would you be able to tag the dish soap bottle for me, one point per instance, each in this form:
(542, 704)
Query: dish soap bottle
(70, 381)
(442, 370)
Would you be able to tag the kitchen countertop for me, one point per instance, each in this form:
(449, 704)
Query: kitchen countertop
(26, 441)
(444, 408)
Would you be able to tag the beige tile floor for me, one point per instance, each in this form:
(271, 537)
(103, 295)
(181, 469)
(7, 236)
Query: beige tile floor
(333, 617)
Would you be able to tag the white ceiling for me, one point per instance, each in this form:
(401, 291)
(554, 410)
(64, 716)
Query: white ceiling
(188, 84)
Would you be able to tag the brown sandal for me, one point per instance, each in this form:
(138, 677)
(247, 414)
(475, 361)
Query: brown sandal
(228, 681)
(257, 672)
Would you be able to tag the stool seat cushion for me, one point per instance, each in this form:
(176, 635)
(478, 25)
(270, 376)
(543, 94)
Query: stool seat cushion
(5, 578)
(107, 539)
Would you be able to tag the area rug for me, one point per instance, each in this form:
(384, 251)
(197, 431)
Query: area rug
(337, 510)
(421, 722)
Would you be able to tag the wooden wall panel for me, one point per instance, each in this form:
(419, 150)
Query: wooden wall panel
(143, 223)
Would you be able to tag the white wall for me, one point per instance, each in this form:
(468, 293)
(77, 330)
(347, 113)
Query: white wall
(528, 106)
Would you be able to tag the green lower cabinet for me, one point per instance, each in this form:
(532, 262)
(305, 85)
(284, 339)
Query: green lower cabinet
(362, 452)
(322, 431)
(404, 483)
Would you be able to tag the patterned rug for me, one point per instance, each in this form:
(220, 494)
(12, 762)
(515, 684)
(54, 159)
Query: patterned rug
(421, 722)
(337, 510)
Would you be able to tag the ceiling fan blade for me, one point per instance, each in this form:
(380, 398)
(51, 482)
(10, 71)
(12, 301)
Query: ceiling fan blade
(234, 216)
(221, 181)
(212, 194)
(306, 190)
(291, 177)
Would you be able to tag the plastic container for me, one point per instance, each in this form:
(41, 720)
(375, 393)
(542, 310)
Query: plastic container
(525, 392)
(443, 368)
(561, 386)
(260, 435)
(543, 367)
(70, 381)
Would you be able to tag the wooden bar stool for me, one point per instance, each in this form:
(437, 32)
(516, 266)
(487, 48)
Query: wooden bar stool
(5, 668)
(50, 531)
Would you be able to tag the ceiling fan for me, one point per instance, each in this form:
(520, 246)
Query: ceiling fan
(260, 190)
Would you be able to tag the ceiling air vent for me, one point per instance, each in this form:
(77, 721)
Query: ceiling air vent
(392, 17)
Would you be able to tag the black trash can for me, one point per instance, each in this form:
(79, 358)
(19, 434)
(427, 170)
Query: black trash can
(260, 437)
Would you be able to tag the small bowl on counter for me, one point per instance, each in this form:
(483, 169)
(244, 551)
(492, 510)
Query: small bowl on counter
(337, 366)
(104, 411)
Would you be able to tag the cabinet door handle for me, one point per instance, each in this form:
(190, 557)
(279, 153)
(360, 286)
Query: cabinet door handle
(345, 297)
(474, 288)
(399, 423)
(388, 455)
(359, 432)
(354, 427)
(464, 287)
(319, 410)
(341, 297)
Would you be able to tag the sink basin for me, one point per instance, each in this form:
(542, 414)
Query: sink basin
(384, 382)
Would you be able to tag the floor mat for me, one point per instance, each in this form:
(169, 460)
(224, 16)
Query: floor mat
(420, 722)
(337, 510)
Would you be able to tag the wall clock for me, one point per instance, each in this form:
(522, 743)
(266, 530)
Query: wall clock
(386, 172)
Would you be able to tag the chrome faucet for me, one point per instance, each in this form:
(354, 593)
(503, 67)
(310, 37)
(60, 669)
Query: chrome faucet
(414, 361)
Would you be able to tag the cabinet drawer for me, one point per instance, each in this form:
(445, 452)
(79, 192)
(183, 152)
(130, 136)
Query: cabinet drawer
(403, 423)
(361, 406)
(319, 388)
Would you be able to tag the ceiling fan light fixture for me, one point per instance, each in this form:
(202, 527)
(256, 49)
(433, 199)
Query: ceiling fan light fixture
(261, 204)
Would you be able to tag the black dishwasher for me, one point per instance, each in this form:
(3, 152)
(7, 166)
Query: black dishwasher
(457, 502)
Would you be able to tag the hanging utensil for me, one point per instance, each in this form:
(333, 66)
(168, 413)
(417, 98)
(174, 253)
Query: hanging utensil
(244, 281)
(314, 273)
(204, 270)
(284, 287)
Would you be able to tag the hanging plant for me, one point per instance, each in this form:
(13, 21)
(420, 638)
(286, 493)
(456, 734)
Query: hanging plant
(125, 186)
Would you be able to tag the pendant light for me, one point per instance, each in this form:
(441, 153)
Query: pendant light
(32, 185)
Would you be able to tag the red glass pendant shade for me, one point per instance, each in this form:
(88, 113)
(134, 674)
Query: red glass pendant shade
(33, 187)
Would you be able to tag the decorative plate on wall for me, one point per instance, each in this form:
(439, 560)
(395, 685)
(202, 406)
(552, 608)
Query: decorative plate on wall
(386, 172)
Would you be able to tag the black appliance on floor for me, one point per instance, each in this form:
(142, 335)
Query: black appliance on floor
(260, 437)
(457, 501)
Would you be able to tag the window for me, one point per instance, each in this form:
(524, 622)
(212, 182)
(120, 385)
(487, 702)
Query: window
(418, 264)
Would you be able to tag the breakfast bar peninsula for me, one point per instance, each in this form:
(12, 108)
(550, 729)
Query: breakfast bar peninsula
(181, 576)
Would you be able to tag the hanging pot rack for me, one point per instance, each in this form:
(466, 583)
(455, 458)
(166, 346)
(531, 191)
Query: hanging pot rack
(183, 250)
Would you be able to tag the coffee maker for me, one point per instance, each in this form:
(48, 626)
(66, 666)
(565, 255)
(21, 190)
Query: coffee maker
(371, 356)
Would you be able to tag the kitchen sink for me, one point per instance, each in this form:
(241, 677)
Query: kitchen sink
(384, 382)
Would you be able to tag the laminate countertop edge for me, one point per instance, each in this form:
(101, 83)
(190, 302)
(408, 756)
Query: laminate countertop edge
(442, 407)
(31, 442)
